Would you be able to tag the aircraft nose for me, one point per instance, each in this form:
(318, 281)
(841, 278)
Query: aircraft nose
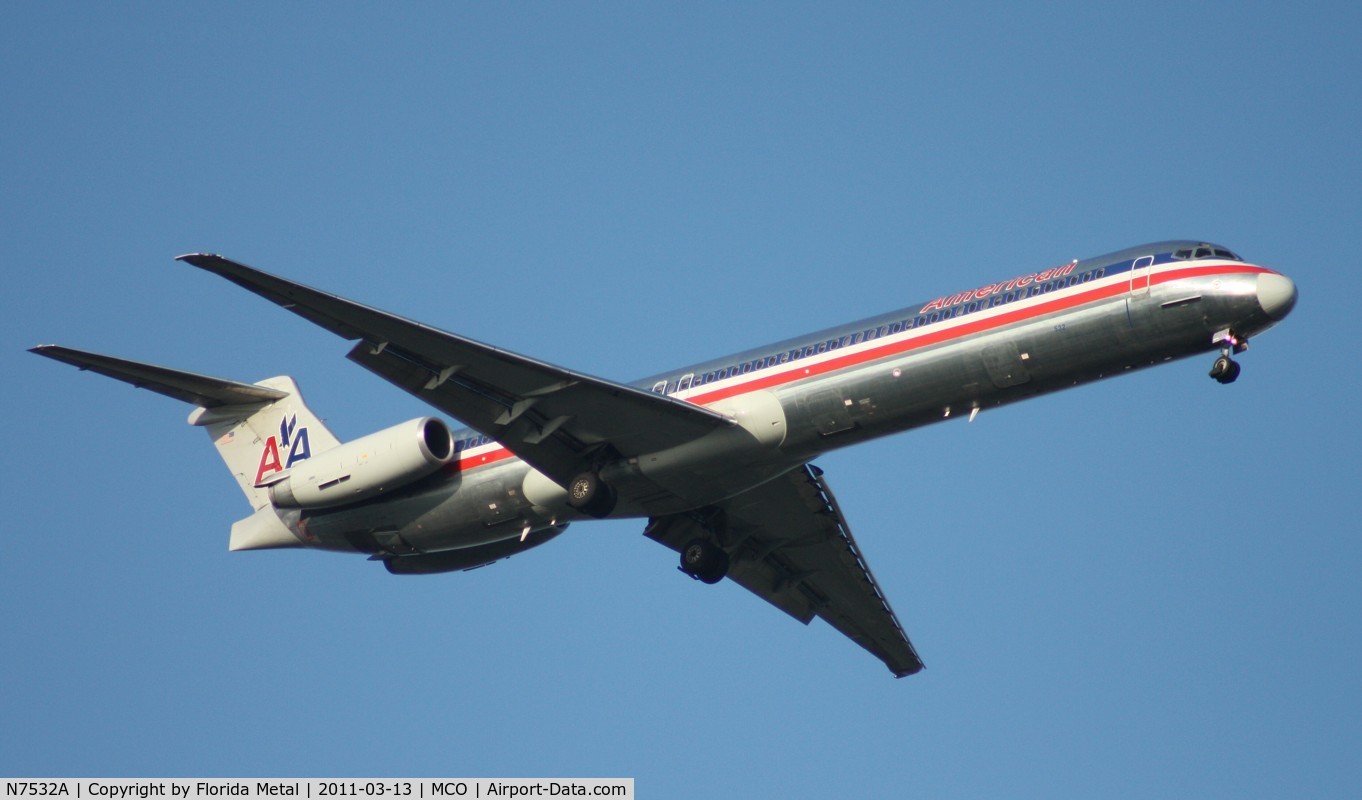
(1276, 294)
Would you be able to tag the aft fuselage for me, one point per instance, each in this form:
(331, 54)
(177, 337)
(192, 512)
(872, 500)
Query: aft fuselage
(945, 358)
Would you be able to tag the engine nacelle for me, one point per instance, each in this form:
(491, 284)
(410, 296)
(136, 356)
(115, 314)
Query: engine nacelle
(366, 467)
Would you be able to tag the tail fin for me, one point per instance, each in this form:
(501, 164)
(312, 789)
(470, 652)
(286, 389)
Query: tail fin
(259, 441)
(259, 429)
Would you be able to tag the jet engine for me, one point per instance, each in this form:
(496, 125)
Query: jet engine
(366, 467)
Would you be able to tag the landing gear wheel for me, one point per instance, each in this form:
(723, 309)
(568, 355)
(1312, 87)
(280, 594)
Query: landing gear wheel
(703, 560)
(1225, 369)
(590, 495)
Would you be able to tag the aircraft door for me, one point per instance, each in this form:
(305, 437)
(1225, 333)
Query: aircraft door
(828, 411)
(1139, 276)
(495, 504)
(1139, 288)
(1005, 364)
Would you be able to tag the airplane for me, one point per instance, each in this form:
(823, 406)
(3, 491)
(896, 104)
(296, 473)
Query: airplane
(716, 456)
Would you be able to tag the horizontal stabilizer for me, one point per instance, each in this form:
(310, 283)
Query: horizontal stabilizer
(189, 387)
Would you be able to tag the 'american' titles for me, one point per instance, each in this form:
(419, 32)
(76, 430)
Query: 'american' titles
(1005, 286)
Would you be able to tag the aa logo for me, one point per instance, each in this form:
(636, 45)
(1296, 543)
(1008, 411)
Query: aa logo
(291, 440)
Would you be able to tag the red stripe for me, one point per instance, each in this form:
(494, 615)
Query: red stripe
(915, 343)
(490, 457)
(1199, 272)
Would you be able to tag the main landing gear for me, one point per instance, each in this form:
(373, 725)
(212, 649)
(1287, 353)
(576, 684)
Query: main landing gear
(704, 561)
(1226, 369)
(590, 495)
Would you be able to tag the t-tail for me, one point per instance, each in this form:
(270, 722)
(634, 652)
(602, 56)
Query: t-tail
(262, 441)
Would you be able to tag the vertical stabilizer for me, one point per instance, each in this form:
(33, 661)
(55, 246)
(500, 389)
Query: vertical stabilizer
(260, 441)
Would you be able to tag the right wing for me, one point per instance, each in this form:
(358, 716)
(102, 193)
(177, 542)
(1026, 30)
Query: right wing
(558, 421)
(789, 544)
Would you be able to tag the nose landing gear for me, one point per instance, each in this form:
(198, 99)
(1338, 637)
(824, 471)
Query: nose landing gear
(1226, 369)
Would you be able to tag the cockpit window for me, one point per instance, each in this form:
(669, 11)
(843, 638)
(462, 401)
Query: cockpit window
(1206, 251)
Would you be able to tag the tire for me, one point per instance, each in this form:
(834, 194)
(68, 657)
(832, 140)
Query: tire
(702, 560)
(590, 495)
(1225, 369)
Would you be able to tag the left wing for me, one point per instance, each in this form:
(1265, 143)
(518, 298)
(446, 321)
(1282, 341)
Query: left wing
(789, 544)
(558, 421)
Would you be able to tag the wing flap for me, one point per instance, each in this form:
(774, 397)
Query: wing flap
(790, 545)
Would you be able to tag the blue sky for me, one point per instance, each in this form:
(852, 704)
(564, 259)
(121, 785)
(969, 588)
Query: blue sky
(1144, 587)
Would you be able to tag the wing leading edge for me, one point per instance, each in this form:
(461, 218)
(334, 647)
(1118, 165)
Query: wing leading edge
(789, 544)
